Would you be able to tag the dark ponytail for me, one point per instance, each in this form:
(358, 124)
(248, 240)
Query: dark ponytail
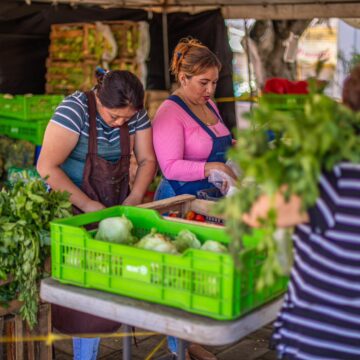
(118, 89)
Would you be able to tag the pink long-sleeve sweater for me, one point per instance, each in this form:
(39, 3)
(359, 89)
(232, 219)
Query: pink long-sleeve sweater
(181, 145)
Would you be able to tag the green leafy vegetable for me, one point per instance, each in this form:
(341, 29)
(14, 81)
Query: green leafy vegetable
(185, 240)
(215, 246)
(25, 213)
(305, 144)
(156, 242)
(115, 229)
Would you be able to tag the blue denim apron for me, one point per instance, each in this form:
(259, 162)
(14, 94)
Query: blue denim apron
(220, 146)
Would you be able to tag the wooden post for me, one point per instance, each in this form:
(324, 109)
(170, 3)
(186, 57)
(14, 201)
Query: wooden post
(44, 327)
(19, 331)
(1, 334)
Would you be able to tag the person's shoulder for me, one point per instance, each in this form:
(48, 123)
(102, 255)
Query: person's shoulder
(77, 99)
(168, 111)
(140, 121)
(71, 112)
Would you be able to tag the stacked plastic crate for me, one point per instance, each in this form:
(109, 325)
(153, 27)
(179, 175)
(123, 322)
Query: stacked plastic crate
(23, 119)
(76, 49)
(26, 116)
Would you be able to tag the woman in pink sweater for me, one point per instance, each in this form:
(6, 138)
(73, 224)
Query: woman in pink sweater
(190, 138)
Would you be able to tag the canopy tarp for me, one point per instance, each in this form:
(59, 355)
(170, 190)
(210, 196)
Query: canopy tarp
(236, 9)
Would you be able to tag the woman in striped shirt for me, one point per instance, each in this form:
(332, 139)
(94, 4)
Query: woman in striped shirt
(86, 151)
(320, 317)
(119, 100)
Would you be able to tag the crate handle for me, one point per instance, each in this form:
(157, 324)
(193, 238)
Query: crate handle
(159, 204)
(95, 216)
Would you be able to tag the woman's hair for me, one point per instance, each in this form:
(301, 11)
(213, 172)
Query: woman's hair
(118, 89)
(351, 89)
(193, 58)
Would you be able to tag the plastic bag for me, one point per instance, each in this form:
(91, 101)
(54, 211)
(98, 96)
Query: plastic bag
(224, 182)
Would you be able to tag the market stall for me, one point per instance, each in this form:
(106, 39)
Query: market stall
(167, 290)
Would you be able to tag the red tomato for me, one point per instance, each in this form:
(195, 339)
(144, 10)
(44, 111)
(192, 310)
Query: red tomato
(190, 215)
(200, 218)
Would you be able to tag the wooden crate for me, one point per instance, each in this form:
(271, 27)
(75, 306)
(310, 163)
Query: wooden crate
(76, 42)
(153, 99)
(182, 204)
(12, 326)
(125, 64)
(66, 77)
(127, 36)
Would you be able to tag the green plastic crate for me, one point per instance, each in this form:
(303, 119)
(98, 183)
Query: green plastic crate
(197, 281)
(24, 130)
(284, 102)
(15, 174)
(29, 107)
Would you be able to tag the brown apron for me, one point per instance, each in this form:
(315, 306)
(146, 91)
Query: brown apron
(107, 183)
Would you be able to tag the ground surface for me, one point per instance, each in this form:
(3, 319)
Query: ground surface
(252, 347)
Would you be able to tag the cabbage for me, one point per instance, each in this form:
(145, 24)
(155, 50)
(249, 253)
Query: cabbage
(211, 245)
(101, 264)
(73, 257)
(185, 240)
(115, 229)
(156, 242)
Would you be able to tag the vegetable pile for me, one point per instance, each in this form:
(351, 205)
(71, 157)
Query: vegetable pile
(25, 213)
(118, 230)
(304, 144)
(76, 49)
(190, 215)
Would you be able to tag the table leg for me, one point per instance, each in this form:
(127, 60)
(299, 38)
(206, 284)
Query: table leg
(181, 350)
(127, 343)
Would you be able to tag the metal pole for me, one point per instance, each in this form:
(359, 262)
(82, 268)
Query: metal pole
(248, 58)
(127, 343)
(166, 49)
(181, 349)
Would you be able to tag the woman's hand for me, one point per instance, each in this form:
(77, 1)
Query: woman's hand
(92, 205)
(219, 166)
(289, 213)
(132, 200)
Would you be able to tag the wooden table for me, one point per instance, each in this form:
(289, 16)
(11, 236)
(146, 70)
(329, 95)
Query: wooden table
(157, 318)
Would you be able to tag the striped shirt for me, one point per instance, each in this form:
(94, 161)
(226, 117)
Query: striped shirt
(320, 317)
(73, 115)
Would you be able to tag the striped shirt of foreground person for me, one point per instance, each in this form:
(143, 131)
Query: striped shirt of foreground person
(320, 317)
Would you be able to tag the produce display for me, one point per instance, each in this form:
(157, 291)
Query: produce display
(76, 42)
(304, 143)
(14, 154)
(118, 230)
(25, 212)
(127, 37)
(161, 262)
(76, 49)
(66, 77)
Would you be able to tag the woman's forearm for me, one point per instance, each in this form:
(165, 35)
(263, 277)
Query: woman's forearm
(58, 180)
(144, 175)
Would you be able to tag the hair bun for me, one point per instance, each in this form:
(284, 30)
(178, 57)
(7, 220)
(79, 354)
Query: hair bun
(100, 74)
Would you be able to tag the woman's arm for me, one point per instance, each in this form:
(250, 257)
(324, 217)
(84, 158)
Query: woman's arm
(169, 136)
(288, 212)
(145, 156)
(57, 146)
